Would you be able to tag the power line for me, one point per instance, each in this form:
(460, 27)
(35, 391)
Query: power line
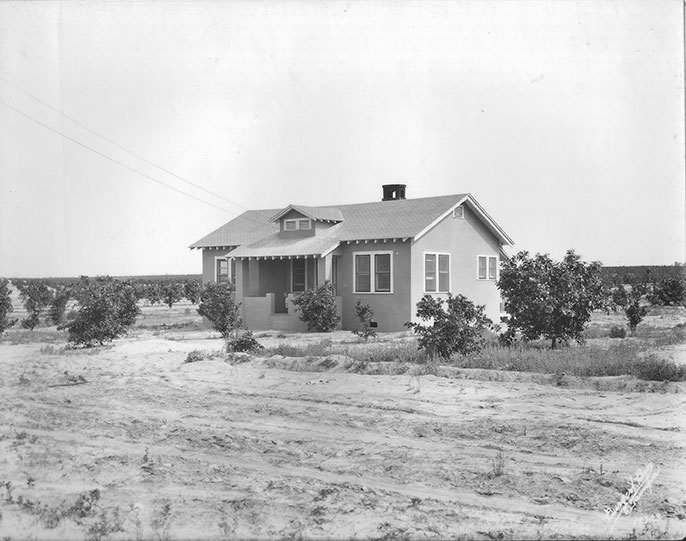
(113, 159)
(71, 119)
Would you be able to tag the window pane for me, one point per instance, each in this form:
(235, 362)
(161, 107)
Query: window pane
(362, 274)
(482, 267)
(298, 275)
(382, 270)
(443, 272)
(289, 225)
(303, 224)
(430, 272)
(492, 266)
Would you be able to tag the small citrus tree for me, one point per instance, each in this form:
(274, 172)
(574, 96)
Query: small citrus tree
(108, 309)
(366, 316)
(6, 307)
(217, 304)
(172, 292)
(457, 328)
(36, 296)
(192, 290)
(550, 299)
(317, 308)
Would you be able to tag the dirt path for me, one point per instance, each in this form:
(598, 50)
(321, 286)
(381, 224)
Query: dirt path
(209, 450)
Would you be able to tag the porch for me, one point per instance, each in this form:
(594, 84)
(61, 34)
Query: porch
(267, 286)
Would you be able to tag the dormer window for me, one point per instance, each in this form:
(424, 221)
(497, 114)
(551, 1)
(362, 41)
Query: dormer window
(295, 225)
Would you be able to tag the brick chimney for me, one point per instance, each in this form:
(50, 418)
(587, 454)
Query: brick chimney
(393, 192)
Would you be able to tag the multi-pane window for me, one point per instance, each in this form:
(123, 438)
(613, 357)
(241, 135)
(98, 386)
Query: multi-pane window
(373, 272)
(294, 225)
(487, 267)
(225, 270)
(436, 273)
(298, 274)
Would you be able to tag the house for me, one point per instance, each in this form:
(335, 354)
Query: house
(388, 253)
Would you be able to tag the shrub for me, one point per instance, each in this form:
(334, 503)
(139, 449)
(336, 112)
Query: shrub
(192, 289)
(365, 315)
(243, 342)
(459, 329)
(550, 299)
(218, 305)
(108, 310)
(617, 332)
(317, 308)
(6, 307)
(194, 356)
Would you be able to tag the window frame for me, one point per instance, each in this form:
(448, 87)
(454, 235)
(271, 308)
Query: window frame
(297, 224)
(438, 272)
(372, 272)
(230, 264)
(292, 284)
(488, 268)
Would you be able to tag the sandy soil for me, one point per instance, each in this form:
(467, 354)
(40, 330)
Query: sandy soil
(240, 449)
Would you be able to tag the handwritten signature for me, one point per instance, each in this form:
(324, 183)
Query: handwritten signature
(642, 481)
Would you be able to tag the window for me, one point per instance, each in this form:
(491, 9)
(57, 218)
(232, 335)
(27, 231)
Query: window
(224, 270)
(458, 212)
(487, 267)
(294, 225)
(298, 274)
(436, 273)
(373, 272)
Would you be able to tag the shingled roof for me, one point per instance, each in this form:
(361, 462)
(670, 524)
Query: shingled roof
(255, 231)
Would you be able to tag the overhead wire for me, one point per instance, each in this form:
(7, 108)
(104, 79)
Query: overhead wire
(132, 169)
(104, 137)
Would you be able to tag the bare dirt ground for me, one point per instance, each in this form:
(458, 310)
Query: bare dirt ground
(128, 442)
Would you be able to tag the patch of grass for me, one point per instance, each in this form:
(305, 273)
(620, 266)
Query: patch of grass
(318, 349)
(24, 336)
(624, 358)
(653, 368)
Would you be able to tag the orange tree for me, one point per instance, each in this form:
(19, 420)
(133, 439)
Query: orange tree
(550, 299)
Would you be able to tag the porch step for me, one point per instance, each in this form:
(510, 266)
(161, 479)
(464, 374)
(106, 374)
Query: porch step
(279, 322)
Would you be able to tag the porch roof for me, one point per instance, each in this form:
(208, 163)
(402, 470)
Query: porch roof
(276, 246)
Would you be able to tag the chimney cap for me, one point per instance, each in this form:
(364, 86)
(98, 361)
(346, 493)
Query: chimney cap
(393, 192)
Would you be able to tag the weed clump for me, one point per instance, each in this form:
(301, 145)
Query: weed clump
(617, 332)
(243, 342)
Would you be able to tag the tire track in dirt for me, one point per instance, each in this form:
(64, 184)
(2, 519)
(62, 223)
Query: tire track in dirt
(584, 522)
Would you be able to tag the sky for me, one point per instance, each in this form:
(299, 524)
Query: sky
(129, 130)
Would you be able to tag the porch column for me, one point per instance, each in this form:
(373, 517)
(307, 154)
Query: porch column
(324, 269)
(240, 280)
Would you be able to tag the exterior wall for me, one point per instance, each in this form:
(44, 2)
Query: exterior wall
(208, 262)
(391, 310)
(464, 239)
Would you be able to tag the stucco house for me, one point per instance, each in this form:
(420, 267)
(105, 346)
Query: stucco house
(389, 253)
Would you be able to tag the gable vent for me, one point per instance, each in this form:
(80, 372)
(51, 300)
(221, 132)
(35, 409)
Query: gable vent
(393, 192)
(458, 212)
